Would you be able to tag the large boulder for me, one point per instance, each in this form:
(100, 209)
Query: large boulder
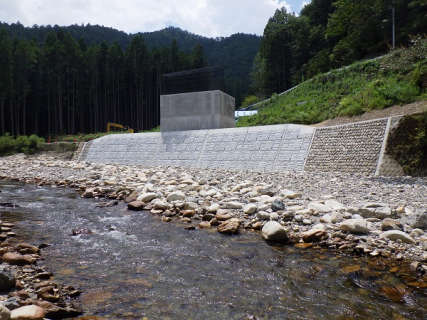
(17, 259)
(7, 278)
(31, 312)
(356, 226)
(397, 234)
(273, 231)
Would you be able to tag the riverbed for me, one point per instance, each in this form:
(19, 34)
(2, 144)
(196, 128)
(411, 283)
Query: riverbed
(131, 265)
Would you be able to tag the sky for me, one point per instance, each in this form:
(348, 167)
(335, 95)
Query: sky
(209, 18)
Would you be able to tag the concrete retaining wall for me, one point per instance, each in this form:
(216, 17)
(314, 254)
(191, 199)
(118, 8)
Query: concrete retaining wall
(355, 148)
(282, 147)
(196, 111)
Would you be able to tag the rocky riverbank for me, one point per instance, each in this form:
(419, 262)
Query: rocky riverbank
(347, 213)
(28, 291)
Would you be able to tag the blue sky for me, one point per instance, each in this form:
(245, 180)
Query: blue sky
(210, 18)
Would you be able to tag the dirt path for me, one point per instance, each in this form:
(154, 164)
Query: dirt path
(415, 107)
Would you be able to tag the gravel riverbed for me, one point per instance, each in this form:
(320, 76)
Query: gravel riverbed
(347, 213)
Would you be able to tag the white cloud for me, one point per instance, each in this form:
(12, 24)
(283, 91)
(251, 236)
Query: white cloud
(209, 18)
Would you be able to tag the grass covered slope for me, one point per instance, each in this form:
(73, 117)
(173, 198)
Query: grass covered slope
(395, 79)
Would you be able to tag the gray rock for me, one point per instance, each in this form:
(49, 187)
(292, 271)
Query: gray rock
(273, 231)
(319, 207)
(89, 193)
(421, 221)
(160, 205)
(334, 205)
(336, 217)
(372, 210)
(191, 206)
(289, 194)
(10, 303)
(175, 196)
(274, 216)
(7, 278)
(262, 215)
(306, 222)
(299, 218)
(146, 197)
(326, 218)
(396, 234)
(356, 226)
(277, 205)
(234, 205)
(250, 208)
(213, 208)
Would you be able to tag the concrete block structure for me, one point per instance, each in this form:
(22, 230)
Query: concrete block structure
(359, 147)
(196, 111)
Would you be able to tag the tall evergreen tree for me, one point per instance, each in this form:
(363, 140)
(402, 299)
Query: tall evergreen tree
(5, 74)
(198, 57)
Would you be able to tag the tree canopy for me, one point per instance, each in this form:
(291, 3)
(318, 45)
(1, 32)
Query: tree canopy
(329, 34)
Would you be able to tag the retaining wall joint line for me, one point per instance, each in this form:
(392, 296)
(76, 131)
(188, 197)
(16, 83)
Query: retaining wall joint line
(383, 146)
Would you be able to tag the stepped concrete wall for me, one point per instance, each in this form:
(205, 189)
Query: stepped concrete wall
(281, 147)
(354, 148)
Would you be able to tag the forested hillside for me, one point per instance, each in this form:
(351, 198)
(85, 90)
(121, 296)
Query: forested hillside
(78, 78)
(330, 34)
(235, 53)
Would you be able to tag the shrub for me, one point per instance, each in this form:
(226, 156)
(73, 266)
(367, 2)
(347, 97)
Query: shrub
(249, 100)
(27, 145)
(350, 106)
(7, 145)
(397, 92)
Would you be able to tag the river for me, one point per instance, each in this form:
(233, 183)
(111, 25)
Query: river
(134, 266)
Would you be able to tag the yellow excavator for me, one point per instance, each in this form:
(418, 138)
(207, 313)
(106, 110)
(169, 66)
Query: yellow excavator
(122, 128)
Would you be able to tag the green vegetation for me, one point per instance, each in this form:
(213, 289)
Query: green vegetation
(28, 145)
(329, 34)
(397, 78)
(167, 50)
(408, 144)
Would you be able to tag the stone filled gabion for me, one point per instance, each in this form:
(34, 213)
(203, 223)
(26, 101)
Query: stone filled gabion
(347, 148)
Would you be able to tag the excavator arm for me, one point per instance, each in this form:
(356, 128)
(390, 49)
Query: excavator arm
(116, 125)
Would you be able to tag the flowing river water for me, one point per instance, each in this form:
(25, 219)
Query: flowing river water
(134, 266)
